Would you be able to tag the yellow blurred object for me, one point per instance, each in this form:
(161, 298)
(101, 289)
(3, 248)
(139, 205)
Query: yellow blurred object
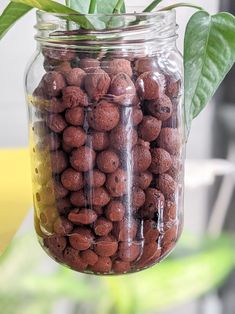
(15, 192)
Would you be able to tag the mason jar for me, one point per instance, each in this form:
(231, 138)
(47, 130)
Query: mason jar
(107, 140)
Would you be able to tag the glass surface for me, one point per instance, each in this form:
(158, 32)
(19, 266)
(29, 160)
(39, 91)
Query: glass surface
(107, 141)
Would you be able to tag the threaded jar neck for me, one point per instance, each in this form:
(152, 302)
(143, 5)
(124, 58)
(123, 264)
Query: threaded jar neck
(120, 31)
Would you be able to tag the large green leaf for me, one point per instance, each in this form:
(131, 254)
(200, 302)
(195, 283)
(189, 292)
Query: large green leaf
(12, 13)
(55, 7)
(209, 54)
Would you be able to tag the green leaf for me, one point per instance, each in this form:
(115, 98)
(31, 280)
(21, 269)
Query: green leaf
(152, 6)
(118, 8)
(92, 6)
(12, 13)
(55, 7)
(209, 54)
(102, 6)
(79, 5)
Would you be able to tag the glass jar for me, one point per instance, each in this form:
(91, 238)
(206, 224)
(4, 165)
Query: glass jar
(107, 140)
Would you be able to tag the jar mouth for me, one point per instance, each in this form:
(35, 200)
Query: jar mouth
(113, 30)
(157, 14)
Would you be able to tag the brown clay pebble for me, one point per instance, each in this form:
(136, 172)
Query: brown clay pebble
(81, 238)
(78, 199)
(173, 87)
(102, 226)
(136, 115)
(83, 216)
(52, 141)
(95, 178)
(73, 259)
(49, 65)
(129, 252)
(74, 136)
(161, 108)
(98, 140)
(151, 232)
(83, 159)
(74, 96)
(143, 179)
(168, 186)
(175, 120)
(176, 170)
(75, 116)
(63, 205)
(150, 85)
(59, 161)
(141, 158)
(89, 64)
(132, 116)
(54, 105)
(63, 226)
(99, 210)
(169, 139)
(56, 245)
(58, 55)
(63, 67)
(121, 267)
(107, 161)
(117, 66)
(56, 123)
(146, 64)
(149, 128)
(170, 235)
(103, 265)
(53, 83)
(72, 180)
(151, 254)
(123, 137)
(116, 183)
(115, 211)
(125, 230)
(99, 197)
(123, 89)
(138, 197)
(59, 190)
(106, 246)
(154, 202)
(97, 84)
(104, 116)
(169, 212)
(67, 149)
(75, 77)
(89, 257)
(161, 161)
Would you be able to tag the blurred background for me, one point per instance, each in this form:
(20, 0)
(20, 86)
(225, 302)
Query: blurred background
(198, 278)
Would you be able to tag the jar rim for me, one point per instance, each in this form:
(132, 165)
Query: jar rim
(111, 29)
(160, 13)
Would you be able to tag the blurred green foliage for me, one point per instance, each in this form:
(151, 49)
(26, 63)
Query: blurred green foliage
(31, 283)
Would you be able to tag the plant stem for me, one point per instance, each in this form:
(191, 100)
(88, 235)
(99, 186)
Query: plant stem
(152, 6)
(118, 7)
(181, 4)
(92, 7)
